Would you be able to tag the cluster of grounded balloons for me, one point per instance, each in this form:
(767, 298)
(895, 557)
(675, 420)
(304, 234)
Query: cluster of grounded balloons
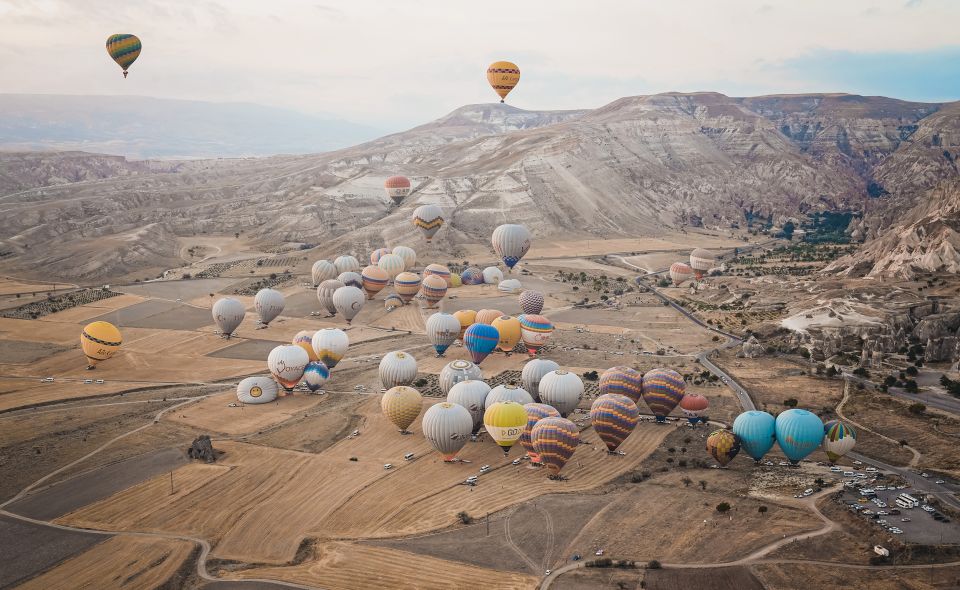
(797, 432)
(701, 261)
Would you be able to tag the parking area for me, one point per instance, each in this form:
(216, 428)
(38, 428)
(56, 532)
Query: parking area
(876, 501)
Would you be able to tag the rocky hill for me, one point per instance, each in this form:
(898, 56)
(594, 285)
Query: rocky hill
(640, 165)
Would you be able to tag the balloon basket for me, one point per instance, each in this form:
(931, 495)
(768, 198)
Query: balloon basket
(125, 72)
(405, 432)
(91, 367)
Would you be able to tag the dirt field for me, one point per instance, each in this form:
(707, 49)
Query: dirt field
(595, 578)
(20, 352)
(29, 549)
(121, 562)
(173, 290)
(771, 380)
(159, 315)
(727, 578)
(792, 576)
(214, 415)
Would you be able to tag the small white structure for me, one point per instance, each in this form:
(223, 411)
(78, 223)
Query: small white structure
(881, 551)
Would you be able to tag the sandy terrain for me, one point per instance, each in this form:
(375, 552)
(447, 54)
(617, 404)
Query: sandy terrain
(121, 562)
(213, 414)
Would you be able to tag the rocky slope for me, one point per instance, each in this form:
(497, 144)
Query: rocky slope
(640, 165)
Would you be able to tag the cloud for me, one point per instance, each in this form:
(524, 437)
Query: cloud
(913, 3)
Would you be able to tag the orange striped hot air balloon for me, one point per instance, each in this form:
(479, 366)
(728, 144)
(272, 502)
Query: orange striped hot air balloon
(503, 77)
(555, 440)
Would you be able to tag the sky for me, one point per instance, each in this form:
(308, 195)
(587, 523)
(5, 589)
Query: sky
(393, 64)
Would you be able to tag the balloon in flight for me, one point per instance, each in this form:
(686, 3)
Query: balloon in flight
(438, 270)
(99, 342)
(503, 77)
(124, 49)
(613, 417)
(428, 219)
(511, 242)
(397, 188)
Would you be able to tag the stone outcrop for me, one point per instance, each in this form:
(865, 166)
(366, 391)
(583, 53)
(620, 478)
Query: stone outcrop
(202, 449)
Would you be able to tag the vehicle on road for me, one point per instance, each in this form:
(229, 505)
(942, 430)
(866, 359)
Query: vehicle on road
(388, 465)
(88, 381)
(409, 457)
(940, 481)
(484, 469)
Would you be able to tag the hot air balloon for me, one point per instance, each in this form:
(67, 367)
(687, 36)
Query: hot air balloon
(447, 427)
(535, 331)
(622, 381)
(407, 285)
(613, 417)
(269, 304)
(531, 302)
(401, 405)
(287, 363)
(480, 340)
(377, 254)
(124, 49)
(438, 270)
(348, 301)
(503, 76)
(228, 314)
(456, 371)
(374, 280)
(757, 433)
(555, 440)
(562, 390)
(486, 316)
(504, 422)
(471, 394)
(466, 317)
(535, 413)
(662, 391)
(304, 340)
(455, 280)
(442, 331)
(533, 372)
(325, 295)
(392, 264)
(509, 328)
(257, 390)
(99, 341)
(799, 433)
(511, 242)
(428, 219)
(693, 406)
(723, 446)
(508, 392)
(315, 374)
(397, 187)
(408, 255)
(472, 276)
(838, 439)
(701, 261)
(346, 264)
(679, 273)
(433, 289)
(351, 279)
(323, 270)
(397, 368)
(392, 301)
(492, 275)
(509, 286)
(330, 344)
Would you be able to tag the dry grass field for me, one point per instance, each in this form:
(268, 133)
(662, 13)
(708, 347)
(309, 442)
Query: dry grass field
(214, 413)
(772, 380)
(798, 576)
(123, 562)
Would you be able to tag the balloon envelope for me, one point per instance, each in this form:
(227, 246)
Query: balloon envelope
(407, 285)
(622, 381)
(401, 405)
(492, 275)
(509, 329)
(346, 263)
(466, 317)
(99, 341)
(503, 77)
(304, 339)
(428, 219)
(228, 314)
(533, 372)
(838, 439)
(397, 368)
(348, 301)
(507, 393)
(269, 303)
(614, 417)
(504, 422)
(391, 264)
(531, 302)
(480, 340)
(325, 294)
(562, 390)
(535, 413)
(456, 371)
(315, 375)
(486, 316)
(442, 330)
(397, 188)
(351, 279)
(287, 363)
(433, 289)
(447, 426)
(471, 394)
(472, 276)
(124, 49)
(680, 272)
(257, 390)
(330, 344)
(409, 256)
(437, 270)
(693, 406)
(757, 432)
(323, 270)
(555, 440)
(799, 433)
(662, 391)
(723, 446)
(535, 331)
(511, 242)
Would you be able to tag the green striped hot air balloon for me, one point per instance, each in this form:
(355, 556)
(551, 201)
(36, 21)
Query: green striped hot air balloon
(124, 49)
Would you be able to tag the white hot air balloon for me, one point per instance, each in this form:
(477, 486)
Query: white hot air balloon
(455, 372)
(228, 314)
(351, 279)
(511, 242)
(492, 275)
(442, 330)
(701, 261)
(409, 256)
(447, 427)
(269, 303)
(533, 372)
(325, 294)
(323, 270)
(562, 390)
(508, 393)
(348, 301)
(346, 264)
(257, 390)
(509, 286)
(428, 219)
(471, 394)
(286, 364)
(392, 264)
(330, 344)
(397, 368)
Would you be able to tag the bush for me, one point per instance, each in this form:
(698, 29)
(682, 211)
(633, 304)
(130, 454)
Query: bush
(354, 459)
(653, 564)
(790, 402)
(910, 386)
(912, 371)
(420, 382)
(862, 372)
(917, 409)
(723, 507)
(464, 517)
(762, 509)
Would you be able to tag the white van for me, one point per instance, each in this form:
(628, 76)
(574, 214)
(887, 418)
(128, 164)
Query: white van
(485, 469)
(388, 466)
(408, 456)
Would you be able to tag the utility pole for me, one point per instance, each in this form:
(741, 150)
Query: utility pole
(488, 524)
(171, 482)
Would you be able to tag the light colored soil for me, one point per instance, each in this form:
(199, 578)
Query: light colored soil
(728, 578)
(792, 576)
(213, 414)
(771, 380)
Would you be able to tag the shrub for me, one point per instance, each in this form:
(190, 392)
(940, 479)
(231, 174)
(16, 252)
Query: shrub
(723, 507)
(912, 371)
(653, 564)
(762, 509)
(420, 382)
(790, 402)
(464, 517)
(917, 408)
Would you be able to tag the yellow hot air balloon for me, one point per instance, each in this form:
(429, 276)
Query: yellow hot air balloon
(304, 339)
(99, 341)
(503, 76)
(401, 405)
(466, 317)
(509, 328)
(124, 49)
(505, 421)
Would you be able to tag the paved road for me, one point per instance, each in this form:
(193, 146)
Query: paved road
(743, 396)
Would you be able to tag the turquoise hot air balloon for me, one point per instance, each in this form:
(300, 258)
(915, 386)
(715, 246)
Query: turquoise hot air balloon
(757, 432)
(799, 433)
(480, 340)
